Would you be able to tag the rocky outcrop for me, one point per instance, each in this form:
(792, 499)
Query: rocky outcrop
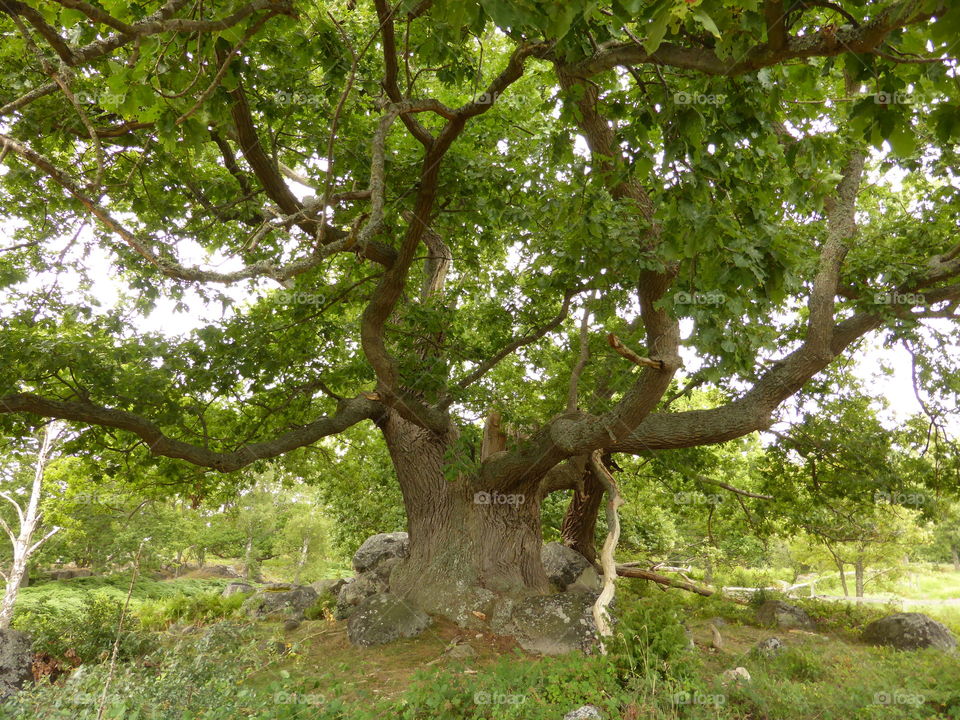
(280, 602)
(568, 570)
(777, 613)
(909, 631)
(373, 561)
(548, 624)
(331, 586)
(355, 591)
(70, 573)
(377, 548)
(383, 618)
(236, 588)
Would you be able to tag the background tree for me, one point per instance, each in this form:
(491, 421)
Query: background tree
(26, 540)
(478, 171)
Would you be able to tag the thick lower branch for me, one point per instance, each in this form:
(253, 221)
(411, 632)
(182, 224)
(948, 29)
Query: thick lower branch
(349, 413)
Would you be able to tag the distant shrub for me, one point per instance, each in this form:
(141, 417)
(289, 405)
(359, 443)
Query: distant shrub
(196, 609)
(764, 595)
(843, 617)
(89, 631)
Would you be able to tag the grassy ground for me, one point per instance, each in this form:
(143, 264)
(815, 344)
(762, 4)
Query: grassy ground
(265, 672)
(825, 674)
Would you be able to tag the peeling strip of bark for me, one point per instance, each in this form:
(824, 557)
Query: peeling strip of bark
(600, 614)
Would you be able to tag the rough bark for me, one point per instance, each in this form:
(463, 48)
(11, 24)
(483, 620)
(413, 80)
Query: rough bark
(461, 538)
(579, 527)
(858, 576)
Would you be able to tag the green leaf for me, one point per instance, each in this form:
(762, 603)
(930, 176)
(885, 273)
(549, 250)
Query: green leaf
(657, 30)
(903, 139)
(708, 24)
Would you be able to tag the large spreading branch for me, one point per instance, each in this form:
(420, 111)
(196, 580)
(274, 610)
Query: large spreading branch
(349, 413)
(780, 47)
(162, 21)
(575, 433)
(393, 282)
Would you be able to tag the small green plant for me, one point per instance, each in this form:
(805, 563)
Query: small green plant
(322, 608)
(800, 665)
(764, 595)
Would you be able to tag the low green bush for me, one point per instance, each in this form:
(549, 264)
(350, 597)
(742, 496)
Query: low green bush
(194, 609)
(199, 678)
(88, 631)
(649, 637)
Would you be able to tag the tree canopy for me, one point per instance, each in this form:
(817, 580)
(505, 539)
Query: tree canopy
(426, 214)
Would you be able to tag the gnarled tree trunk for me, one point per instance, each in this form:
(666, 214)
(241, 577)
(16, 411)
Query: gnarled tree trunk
(579, 528)
(461, 539)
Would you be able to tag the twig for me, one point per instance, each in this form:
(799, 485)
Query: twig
(116, 642)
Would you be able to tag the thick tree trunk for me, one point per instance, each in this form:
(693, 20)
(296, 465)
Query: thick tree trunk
(579, 528)
(955, 554)
(858, 573)
(463, 541)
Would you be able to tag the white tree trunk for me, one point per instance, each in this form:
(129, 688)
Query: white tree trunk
(301, 560)
(601, 616)
(29, 522)
(248, 558)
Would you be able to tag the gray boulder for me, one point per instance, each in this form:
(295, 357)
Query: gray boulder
(16, 657)
(568, 570)
(377, 548)
(355, 591)
(280, 602)
(219, 571)
(548, 624)
(235, 588)
(909, 631)
(584, 712)
(736, 675)
(777, 613)
(769, 647)
(70, 573)
(381, 572)
(383, 618)
(331, 586)
(466, 605)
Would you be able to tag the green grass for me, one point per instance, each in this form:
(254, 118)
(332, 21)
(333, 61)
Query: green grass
(261, 670)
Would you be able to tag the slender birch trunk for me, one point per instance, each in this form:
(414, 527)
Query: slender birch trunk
(29, 520)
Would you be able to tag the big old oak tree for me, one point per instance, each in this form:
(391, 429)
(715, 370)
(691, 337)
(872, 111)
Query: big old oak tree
(501, 191)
